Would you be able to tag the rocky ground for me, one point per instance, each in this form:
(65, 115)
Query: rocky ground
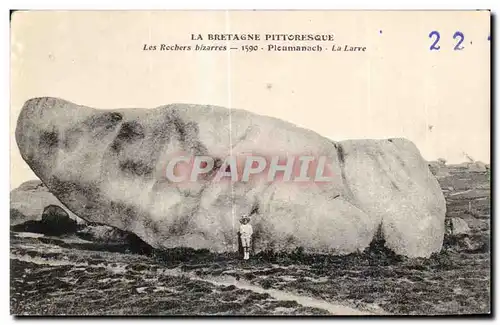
(71, 275)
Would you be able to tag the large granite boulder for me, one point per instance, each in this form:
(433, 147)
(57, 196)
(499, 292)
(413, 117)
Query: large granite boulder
(108, 166)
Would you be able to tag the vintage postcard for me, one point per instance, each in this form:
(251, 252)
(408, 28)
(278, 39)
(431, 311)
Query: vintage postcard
(250, 163)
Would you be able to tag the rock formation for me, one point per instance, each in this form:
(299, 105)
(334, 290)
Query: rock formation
(108, 166)
(28, 201)
(55, 222)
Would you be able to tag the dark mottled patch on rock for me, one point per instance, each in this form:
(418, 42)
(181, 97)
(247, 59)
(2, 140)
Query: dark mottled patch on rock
(107, 120)
(100, 125)
(129, 132)
(49, 139)
(71, 138)
(64, 189)
(136, 167)
(180, 226)
(127, 212)
(187, 133)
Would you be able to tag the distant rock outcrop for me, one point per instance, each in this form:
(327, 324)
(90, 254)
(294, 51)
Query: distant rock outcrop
(107, 167)
(28, 201)
(439, 169)
(474, 166)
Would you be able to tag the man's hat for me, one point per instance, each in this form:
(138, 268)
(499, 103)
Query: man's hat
(245, 218)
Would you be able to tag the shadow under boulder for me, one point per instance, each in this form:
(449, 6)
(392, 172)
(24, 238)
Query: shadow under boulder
(55, 222)
(104, 234)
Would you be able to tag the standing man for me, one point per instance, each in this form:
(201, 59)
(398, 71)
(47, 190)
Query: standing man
(246, 232)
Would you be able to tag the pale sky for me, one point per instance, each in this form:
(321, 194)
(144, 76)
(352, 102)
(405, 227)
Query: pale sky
(440, 100)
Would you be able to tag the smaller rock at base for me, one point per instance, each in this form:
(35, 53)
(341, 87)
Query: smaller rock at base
(56, 221)
(457, 226)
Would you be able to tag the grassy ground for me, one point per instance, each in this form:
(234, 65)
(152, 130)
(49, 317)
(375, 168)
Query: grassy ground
(76, 277)
(53, 278)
